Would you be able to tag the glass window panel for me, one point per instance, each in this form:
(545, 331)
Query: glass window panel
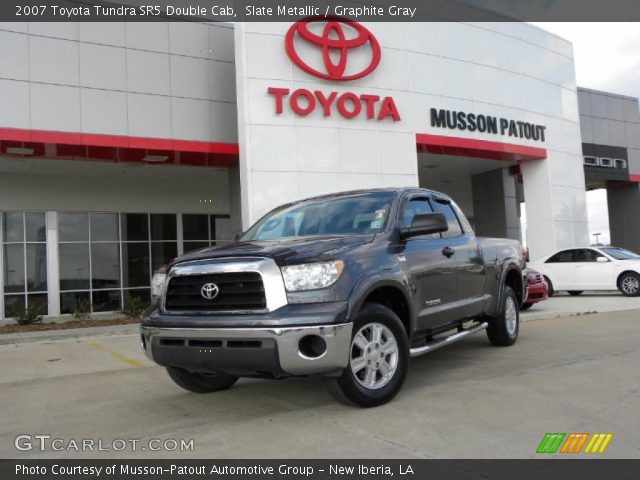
(73, 227)
(163, 227)
(454, 225)
(191, 246)
(104, 227)
(144, 294)
(195, 227)
(39, 300)
(221, 228)
(14, 268)
(135, 258)
(74, 266)
(413, 207)
(162, 253)
(36, 228)
(12, 227)
(135, 227)
(106, 301)
(68, 300)
(13, 303)
(105, 265)
(37, 267)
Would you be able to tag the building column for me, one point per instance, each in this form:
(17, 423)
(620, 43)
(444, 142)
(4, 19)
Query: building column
(495, 204)
(556, 204)
(1, 269)
(53, 266)
(624, 221)
(235, 201)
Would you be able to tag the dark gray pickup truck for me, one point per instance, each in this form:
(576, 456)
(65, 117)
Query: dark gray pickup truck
(347, 286)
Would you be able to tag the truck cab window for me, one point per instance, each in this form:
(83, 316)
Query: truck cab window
(415, 206)
(452, 219)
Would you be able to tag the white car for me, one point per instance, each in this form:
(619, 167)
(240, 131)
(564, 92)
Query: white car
(591, 268)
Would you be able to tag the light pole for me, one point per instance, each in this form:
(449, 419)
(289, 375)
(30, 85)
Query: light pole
(597, 235)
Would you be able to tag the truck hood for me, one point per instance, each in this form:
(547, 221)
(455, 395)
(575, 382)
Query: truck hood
(285, 251)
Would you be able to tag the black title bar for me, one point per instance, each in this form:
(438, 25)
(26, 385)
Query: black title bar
(548, 469)
(291, 10)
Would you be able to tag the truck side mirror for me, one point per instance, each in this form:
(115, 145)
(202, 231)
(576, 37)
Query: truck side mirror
(425, 224)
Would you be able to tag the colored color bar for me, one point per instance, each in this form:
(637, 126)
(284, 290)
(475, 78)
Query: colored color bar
(550, 442)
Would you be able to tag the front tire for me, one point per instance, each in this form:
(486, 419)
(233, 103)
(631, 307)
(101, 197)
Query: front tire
(378, 359)
(200, 383)
(526, 306)
(575, 293)
(503, 329)
(629, 284)
(550, 290)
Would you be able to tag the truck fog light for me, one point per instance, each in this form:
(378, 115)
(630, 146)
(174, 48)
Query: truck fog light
(312, 346)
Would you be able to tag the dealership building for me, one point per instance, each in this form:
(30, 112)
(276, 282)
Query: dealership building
(123, 145)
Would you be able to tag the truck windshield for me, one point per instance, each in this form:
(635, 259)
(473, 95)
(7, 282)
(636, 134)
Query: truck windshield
(356, 214)
(620, 253)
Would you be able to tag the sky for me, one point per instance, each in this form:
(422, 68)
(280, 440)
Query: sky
(607, 57)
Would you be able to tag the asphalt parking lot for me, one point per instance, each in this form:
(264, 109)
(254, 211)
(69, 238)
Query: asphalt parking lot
(574, 373)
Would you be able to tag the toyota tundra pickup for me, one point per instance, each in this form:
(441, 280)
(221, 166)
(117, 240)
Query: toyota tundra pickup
(346, 286)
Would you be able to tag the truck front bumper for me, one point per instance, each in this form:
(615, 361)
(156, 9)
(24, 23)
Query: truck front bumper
(268, 351)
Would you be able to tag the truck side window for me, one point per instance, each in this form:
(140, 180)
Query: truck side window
(413, 207)
(454, 224)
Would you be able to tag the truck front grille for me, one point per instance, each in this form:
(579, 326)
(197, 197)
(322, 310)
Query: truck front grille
(238, 291)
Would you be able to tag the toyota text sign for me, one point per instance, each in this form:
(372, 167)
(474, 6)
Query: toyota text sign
(324, 48)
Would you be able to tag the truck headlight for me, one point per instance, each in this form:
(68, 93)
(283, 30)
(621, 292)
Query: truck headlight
(310, 276)
(158, 283)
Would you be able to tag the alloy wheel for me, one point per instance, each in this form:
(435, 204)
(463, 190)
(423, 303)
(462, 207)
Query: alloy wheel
(374, 356)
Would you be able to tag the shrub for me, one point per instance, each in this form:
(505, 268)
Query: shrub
(133, 307)
(31, 314)
(82, 311)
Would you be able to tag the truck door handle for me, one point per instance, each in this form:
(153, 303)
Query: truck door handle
(448, 251)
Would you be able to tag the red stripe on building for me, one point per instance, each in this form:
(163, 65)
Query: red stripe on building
(469, 147)
(118, 148)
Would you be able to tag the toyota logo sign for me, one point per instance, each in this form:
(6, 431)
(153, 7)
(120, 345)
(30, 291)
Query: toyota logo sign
(338, 38)
(209, 291)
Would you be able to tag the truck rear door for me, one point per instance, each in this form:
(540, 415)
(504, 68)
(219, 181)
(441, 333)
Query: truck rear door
(462, 243)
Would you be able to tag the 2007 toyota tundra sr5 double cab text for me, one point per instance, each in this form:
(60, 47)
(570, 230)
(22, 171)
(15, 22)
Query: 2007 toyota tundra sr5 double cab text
(347, 286)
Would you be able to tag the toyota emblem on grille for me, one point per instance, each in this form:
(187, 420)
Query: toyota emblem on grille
(209, 291)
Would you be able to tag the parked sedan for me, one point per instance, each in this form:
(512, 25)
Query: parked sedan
(537, 288)
(592, 268)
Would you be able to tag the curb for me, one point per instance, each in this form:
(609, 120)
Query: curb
(31, 337)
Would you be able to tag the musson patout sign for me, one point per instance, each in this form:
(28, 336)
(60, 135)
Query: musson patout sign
(339, 38)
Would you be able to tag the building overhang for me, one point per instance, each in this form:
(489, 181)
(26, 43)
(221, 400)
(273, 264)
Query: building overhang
(115, 148)
(469, 147)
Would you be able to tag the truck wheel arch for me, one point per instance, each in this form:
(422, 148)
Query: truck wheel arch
(392, 295)
(512, 277)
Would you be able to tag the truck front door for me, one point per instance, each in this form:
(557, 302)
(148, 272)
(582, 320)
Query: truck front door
(432, 275)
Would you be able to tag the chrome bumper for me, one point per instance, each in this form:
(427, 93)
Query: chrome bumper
(292, 361)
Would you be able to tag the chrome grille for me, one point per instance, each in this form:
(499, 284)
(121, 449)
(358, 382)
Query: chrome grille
(238, 291)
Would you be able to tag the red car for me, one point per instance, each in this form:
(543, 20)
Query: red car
(537, 288)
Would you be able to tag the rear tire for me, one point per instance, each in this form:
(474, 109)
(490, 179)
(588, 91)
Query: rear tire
(575, 293)
(200, 383)
(629, 284)
(526, 306)
(550, 291)
(503, 329)
(378, 359)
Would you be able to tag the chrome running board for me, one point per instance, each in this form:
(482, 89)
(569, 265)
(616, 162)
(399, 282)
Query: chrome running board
(436, 344)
